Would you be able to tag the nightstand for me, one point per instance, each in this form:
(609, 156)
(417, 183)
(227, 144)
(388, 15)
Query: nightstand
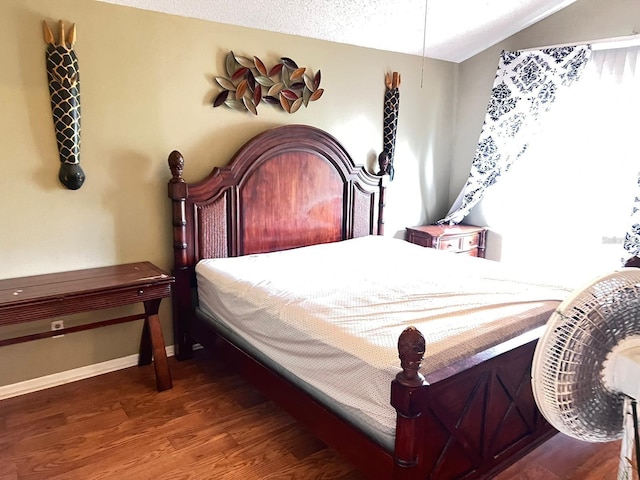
(462, 239)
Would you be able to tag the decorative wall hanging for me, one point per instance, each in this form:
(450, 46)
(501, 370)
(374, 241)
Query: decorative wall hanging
(64, 89)
(391, 106)
(249, 82)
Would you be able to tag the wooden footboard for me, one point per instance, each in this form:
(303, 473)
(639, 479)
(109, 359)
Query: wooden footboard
(469, 420)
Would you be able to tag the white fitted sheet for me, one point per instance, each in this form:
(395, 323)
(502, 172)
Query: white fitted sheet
(331, 314)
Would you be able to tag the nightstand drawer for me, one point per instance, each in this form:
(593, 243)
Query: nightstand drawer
(451, 244)
(459, 243)
(470, 242)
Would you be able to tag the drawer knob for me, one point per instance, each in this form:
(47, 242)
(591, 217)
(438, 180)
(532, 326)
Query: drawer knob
(140, 292)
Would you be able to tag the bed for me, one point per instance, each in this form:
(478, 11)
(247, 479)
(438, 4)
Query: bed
(292, 189)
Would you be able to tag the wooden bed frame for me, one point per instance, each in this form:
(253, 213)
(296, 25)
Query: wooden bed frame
(293, 186)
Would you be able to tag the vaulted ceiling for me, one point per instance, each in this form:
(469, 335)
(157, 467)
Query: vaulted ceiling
(455, 29)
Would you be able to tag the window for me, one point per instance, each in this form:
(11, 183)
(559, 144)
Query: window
(565, 206)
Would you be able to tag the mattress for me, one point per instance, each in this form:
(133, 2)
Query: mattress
(329, 316)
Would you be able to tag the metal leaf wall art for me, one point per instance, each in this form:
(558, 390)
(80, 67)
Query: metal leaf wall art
(249, 82)
(64, 90)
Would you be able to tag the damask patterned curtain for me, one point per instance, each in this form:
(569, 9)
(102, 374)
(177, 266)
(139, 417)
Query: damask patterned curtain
(632, 237)
(526, 85)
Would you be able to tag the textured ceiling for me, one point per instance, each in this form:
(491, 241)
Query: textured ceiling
(455, 29)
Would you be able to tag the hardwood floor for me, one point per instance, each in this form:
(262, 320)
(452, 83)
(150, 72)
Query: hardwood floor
(211, 425)
(562, 457)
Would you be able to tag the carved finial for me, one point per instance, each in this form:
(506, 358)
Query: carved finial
(71, 36)
(66, 40)
(48, 34)
(392, 81)
(385, 164)
(397, 80)
(176, 164)
(62, 35)
(411, 348)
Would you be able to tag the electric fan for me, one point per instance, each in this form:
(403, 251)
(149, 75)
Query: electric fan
(586, 366)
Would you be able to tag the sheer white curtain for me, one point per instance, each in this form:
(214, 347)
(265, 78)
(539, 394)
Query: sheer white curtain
(566, 206)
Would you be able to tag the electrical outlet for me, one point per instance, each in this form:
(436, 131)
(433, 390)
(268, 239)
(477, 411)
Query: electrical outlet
(57, 325)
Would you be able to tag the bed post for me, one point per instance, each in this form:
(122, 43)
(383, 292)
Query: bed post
(181, 291)
(407, 397)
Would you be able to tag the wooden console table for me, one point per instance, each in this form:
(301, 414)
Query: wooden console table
(39, 297)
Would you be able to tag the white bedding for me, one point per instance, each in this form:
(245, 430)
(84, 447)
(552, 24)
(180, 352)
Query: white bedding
(331, 314)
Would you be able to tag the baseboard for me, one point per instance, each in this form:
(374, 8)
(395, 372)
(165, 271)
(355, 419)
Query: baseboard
(48, 381)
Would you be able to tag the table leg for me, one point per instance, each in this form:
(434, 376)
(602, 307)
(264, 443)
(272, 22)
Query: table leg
(152, 343)
(146, 353)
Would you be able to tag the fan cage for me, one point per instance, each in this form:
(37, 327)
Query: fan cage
(570, 358)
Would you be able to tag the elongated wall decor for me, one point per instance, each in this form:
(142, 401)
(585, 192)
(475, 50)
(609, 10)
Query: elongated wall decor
(64, 89)
(390, 124)
(250, 82)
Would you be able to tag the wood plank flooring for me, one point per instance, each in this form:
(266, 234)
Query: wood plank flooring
(211, 425)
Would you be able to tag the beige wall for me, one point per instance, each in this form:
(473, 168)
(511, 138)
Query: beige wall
(581, 22)
(146, 85)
